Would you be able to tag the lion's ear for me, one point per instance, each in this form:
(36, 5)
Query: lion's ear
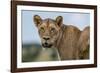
(59, 20)
(37, 20)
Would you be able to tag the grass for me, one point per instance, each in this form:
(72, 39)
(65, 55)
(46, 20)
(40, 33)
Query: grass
(34, 53)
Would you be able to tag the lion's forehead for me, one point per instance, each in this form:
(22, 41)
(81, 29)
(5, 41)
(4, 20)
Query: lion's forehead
(48, 22)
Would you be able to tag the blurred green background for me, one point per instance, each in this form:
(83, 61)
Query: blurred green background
(35, 53)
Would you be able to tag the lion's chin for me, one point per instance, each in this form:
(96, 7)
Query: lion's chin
(46, 45)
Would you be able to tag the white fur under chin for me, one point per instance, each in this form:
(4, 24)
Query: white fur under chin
(43, 48)
(48, 49)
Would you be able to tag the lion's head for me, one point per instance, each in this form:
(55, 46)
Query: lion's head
(48, 29)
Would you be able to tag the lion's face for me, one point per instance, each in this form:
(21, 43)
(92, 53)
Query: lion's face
(48, 30)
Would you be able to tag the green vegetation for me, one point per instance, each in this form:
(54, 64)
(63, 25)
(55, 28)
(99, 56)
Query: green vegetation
(34, 53)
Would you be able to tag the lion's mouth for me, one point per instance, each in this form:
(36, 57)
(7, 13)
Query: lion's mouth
(46, 45)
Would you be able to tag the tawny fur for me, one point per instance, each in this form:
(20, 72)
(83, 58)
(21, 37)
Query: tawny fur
(84, 43)
(67, 39)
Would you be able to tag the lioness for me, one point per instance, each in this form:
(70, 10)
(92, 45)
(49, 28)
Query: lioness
(54, 34)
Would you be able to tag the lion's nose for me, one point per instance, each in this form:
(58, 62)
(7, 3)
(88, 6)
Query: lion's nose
(46, 38)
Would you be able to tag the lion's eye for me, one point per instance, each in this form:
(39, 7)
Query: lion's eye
(42, 29)
(52, 29)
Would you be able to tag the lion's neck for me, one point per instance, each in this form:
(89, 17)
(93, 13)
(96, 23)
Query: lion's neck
(58, 42)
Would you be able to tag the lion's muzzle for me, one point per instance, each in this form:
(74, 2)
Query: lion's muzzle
(46, 45)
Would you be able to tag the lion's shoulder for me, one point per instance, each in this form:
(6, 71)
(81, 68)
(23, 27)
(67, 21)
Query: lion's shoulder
(70, 28)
